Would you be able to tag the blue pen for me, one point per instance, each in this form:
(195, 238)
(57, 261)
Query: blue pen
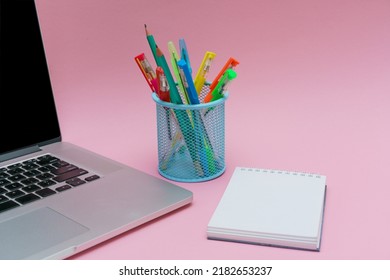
(188, 82)
(201, 138)
(184, 53)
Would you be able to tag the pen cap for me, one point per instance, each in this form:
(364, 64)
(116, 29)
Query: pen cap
(184, 53)
(162, 85)
(188, 82)
(172, 50)
(230, 64)
(203, 70)
(221, 87)
(147, 70)
(229, 75)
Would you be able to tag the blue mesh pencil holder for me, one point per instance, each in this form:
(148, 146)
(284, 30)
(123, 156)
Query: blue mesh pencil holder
(191, 139)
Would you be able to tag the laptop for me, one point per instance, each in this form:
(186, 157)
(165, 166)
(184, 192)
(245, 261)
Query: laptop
(58, 199)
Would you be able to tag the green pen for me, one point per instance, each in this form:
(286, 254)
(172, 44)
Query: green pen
(218, 91)
(174, 60)
(183, 119)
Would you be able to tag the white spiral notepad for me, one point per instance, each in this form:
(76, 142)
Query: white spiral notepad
(271, 207)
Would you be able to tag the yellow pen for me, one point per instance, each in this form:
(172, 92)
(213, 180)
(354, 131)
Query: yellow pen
(174, 59)
(204, 68)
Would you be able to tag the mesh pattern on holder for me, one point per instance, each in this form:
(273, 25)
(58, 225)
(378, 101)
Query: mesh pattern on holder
(191, 139)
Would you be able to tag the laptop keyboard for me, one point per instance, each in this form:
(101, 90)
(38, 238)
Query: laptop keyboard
(36, 178)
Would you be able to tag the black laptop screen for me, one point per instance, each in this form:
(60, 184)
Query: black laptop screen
(27, 111)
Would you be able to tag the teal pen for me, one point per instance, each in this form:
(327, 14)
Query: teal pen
(184, 53)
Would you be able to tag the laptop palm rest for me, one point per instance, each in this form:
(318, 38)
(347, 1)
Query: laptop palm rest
(49, 229)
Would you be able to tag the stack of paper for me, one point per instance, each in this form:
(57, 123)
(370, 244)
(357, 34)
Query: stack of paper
(271, 207)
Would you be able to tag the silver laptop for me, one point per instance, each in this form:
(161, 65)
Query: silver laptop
(57, 199)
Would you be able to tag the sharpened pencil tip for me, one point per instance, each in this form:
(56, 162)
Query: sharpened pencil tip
(146, 30)
(158, 51)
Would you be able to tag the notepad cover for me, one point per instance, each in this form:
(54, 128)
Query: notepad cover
(271, 207)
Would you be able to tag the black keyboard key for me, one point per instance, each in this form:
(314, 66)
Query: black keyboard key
(3, 175)
(46, 183)
(46, 168)
(63, 169)
(75, 182)
(16, 177)
(8, 205)
(3, 198)
(92, 178)
(45, 192)
(31, 188)
(2, 190)
(60, 163)
(14, 186)
(14, 194)
(29, 161)
(31, 173)
(15, 171)
(4, 182)
(70, 174)
(30, 166)
(14, 166)
(45, 176)
(46, 159)
(27, 198)
(63, 188)
(29, 181)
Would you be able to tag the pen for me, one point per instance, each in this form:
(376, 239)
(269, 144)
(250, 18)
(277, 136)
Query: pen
(176, 145)
(218, 91)
(174, 94)
(147, 71)
(203, 144)
(162, 85)
(184, 53)
(152, 44)
(163, 94)
(203, 70)
(183, 119)
(189, 122)
(174, 60)
(187, 81)
(230, 64)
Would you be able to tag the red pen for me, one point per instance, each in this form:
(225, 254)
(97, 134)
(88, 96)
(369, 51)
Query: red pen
(147, 71)
(162, 85)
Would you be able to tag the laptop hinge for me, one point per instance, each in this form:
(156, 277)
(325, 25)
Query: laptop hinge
(19, 153)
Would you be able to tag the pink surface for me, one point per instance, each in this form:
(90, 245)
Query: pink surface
(312, 95)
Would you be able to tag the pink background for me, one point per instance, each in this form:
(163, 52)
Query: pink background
(312, 95)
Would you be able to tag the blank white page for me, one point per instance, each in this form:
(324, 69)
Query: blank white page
(273, 202)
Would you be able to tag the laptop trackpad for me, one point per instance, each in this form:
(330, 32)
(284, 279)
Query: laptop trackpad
(37, 231)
